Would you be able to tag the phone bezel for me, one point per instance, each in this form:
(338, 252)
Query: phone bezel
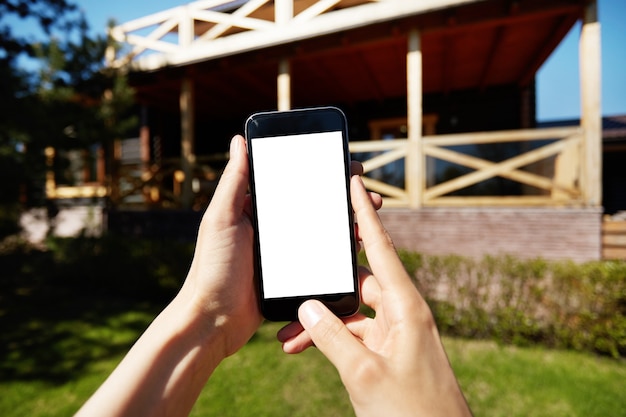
(293, 122)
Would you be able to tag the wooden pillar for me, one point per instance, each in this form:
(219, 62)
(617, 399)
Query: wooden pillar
(591, 114)
(284, 84)
(144, 139)
(51, 186)
(187, 151)
(283, 11)
(186, 28)
(101, 165)
(283, 14)
(415, 162)
(144, 149)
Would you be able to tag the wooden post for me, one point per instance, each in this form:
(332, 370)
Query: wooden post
(284, 84)
(51, 185)
(187, 116)
(187, 153)
(591, 114)
(283, 11)
(283, 14)
(144, 146)
(185, 27)
(415, 161)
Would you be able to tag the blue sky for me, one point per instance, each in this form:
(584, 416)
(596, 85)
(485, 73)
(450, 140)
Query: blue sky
(558, 94)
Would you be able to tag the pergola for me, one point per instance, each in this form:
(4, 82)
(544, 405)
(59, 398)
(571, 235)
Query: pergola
(221, 59)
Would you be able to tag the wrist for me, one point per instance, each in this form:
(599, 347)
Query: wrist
(202, 324)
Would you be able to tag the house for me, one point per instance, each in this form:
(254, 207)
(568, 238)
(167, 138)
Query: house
(439, 95)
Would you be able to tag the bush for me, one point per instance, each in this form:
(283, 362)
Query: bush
(120, 266)
(114, 266)
(557, 304)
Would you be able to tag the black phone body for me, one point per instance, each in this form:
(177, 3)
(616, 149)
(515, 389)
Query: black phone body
(301, 211)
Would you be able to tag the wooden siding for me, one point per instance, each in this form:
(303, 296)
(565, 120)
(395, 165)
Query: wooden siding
(614, 239)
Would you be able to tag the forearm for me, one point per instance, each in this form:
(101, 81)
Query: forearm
(165, 370)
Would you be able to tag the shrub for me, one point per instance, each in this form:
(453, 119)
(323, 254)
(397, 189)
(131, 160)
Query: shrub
(121, 266)
(557, 304)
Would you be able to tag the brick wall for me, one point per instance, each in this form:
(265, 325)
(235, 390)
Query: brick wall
(550, 233)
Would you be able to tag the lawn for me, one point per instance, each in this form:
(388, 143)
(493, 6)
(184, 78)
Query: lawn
(260, 380)
(64, 328)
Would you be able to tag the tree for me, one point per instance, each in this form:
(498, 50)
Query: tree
(67, 101)
(16, 101)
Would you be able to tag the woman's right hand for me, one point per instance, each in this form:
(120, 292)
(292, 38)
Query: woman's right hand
(393, 364)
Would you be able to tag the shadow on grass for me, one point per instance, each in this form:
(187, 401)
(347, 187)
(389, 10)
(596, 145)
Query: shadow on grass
(80, 301)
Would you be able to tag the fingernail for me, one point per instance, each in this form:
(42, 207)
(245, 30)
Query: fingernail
(234, 146)
(310, 313)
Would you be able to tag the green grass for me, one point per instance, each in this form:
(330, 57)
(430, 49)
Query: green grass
(513, 381)
(63, 330)
(261, 380)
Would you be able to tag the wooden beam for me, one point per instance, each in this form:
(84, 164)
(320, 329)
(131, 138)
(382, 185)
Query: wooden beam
(283, 14)
(186, 32)
(187, 133)
(237, 18)
(325, 24)
(501, 136)
(415, 170)
(284, 85)
(316, 9)
(499, 201)
(591, 115)
(144, 141)
(514, 174)
(497, 169)
(384, 188)
(283, 11)
(383, 159)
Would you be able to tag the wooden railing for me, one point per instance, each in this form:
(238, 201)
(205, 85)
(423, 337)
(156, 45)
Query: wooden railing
(160, 185)
(138, 184)
(557, 147)
(556, 184)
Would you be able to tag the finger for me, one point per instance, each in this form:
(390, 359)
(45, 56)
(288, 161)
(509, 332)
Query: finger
(296, 340)
(230, 195)
(376, 199)
(358, 325)
(289, 331)
(298, 343)
(370, 290)
(331, 336)
(356, 168)
(377, 202)
(381, 253)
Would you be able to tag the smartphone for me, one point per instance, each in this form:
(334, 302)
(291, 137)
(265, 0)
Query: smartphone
(301, 211)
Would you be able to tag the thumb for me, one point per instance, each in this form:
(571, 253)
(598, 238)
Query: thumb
(330, 335)
(230, 194)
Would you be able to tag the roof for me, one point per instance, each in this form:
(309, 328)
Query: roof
(465, 45)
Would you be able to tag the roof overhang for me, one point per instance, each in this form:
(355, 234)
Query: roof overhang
(353, 54)
(270, 34)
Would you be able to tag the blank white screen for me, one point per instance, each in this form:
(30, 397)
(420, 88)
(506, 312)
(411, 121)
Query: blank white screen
(302, 212)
